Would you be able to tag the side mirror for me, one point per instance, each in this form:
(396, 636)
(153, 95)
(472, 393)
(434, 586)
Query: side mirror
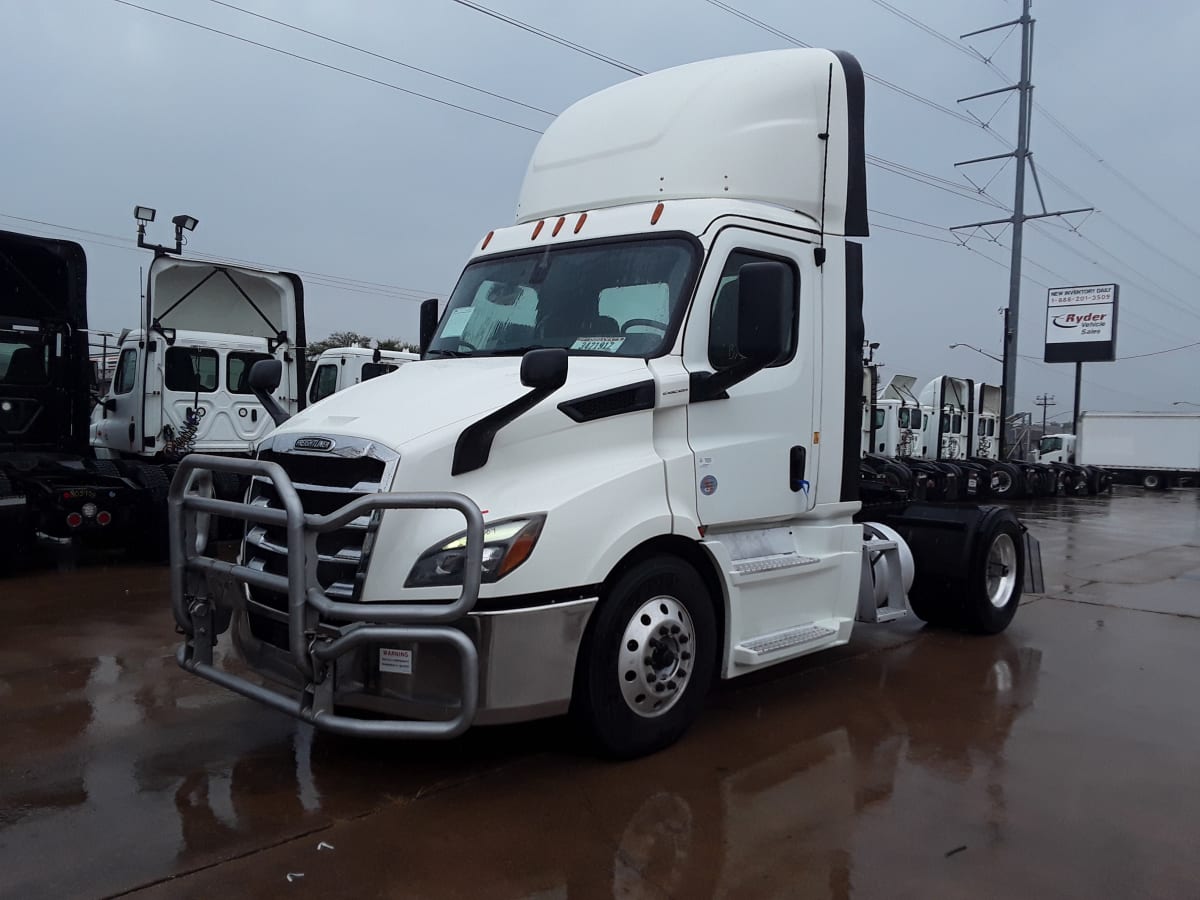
(265, 376)
(544, 369)
(764, 310)
(429, 322)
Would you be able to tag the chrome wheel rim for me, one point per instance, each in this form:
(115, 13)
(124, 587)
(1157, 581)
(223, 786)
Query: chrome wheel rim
(655, 662)
(1001, 570)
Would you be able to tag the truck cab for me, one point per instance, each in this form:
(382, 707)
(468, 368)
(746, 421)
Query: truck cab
(182, 384)
(628, 463)
(341, 367)
(985, 437)
(902, 421)
(1056, 448)
(947, 427)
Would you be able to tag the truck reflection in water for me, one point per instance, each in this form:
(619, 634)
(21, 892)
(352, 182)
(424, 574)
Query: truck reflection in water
(780, 791)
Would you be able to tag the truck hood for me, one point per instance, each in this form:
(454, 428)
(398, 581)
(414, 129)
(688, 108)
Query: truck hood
(422, 397)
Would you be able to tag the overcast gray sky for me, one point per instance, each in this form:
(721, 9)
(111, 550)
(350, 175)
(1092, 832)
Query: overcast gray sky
(293, 165)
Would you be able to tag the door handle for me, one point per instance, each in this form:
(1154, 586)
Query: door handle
(798, 461)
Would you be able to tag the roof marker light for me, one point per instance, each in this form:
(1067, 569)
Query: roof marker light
(558, 226)
(658, 211)
(487, 240)
(579, 224)
(537, 229)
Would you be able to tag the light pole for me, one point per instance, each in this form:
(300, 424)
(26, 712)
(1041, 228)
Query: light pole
(977, 350)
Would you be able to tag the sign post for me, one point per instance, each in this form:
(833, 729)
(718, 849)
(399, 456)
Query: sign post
(1081, 326)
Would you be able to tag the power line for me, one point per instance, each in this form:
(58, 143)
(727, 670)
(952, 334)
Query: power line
(883, 82)
(393, 61)
(330, 66)
(561, 41)
(355, 284)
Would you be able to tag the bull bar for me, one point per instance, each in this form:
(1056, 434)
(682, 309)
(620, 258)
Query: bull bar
(205, 592)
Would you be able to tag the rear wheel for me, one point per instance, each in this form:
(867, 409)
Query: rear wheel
(1152, 481)
(648, 659)
(1006, 481)
(984, 597)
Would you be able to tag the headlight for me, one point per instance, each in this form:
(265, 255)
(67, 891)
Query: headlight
(506, 544)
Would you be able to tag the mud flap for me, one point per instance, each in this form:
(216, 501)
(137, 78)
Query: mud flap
(1034, 582)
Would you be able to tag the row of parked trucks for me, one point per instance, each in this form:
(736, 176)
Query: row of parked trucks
(80, 464)
(942, 442)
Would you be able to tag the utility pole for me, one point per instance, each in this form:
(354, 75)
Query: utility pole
(1044, 401)
(1021, 154)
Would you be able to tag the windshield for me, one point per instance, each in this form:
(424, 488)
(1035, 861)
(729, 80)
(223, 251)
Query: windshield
(1050, 444)
(611, 299)
(23, 360)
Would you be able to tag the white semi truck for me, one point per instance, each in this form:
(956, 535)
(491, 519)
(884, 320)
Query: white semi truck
(1155, 450)
(341, 367)
(182, 380)
(627, 464)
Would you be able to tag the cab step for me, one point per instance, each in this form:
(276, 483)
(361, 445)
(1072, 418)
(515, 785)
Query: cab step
(768, 647)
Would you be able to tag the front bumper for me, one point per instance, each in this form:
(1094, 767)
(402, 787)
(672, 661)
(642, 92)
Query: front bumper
(364, 669)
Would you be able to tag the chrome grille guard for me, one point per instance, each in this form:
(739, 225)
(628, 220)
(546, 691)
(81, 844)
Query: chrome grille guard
(205, 592)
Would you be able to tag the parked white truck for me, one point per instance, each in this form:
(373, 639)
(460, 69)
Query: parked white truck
(628, 462)
(341, 367)
(1155, 450)
(182, 384)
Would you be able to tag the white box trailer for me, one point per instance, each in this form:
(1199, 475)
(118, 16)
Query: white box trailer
(1155, 449)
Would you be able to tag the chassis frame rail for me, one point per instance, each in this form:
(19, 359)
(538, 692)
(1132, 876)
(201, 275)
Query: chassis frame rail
(206, 591)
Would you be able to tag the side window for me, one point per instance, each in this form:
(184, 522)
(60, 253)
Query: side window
(722, 327)
(191, 369)
(880, 418)
(126, 372)
(903, 418)
(945, 421)
(374, 370)
(957, 423)
(324, 382)
(237, 370)
(915, 418)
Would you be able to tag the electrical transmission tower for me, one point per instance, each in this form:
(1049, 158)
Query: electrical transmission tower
(1022, 155)
(1044, 401)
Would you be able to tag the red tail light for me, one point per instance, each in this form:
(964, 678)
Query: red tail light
(103, 517)
(74, 520)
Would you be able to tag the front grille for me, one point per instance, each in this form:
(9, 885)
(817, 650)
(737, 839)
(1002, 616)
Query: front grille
(325, 482)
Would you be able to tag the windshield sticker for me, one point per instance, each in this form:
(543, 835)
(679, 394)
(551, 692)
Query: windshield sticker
(599, 344)
(457, 321)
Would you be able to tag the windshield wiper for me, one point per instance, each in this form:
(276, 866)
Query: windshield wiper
(451, 354)
(514, 351)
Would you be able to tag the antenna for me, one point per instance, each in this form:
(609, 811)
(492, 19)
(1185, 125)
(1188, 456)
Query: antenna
(819, 252)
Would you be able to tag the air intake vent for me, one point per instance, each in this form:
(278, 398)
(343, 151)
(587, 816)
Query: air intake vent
(325, 482)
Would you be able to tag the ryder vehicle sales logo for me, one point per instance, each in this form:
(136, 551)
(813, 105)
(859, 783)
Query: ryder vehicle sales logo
(1092, 323)
(1081, 323)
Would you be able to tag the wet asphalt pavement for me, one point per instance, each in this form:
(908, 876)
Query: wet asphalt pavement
(1056, 760)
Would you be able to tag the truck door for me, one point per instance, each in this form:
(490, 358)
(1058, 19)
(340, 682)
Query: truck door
(118, 428)
(755, 452)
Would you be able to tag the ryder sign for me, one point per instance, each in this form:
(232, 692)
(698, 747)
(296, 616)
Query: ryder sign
(1081, 324)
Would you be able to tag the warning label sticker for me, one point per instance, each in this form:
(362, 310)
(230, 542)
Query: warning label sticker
(398, 661)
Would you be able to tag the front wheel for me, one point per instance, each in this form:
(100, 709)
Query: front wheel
(647, 660)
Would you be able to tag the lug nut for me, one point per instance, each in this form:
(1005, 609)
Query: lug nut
(685, 655)
(683, 639)
(671, 685)
(658, 688)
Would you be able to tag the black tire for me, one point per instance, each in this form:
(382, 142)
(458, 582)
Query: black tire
(106, 467)
(992, 596)
(964, 600)
(598, 701)
(1152, 481)
(1007, 481)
